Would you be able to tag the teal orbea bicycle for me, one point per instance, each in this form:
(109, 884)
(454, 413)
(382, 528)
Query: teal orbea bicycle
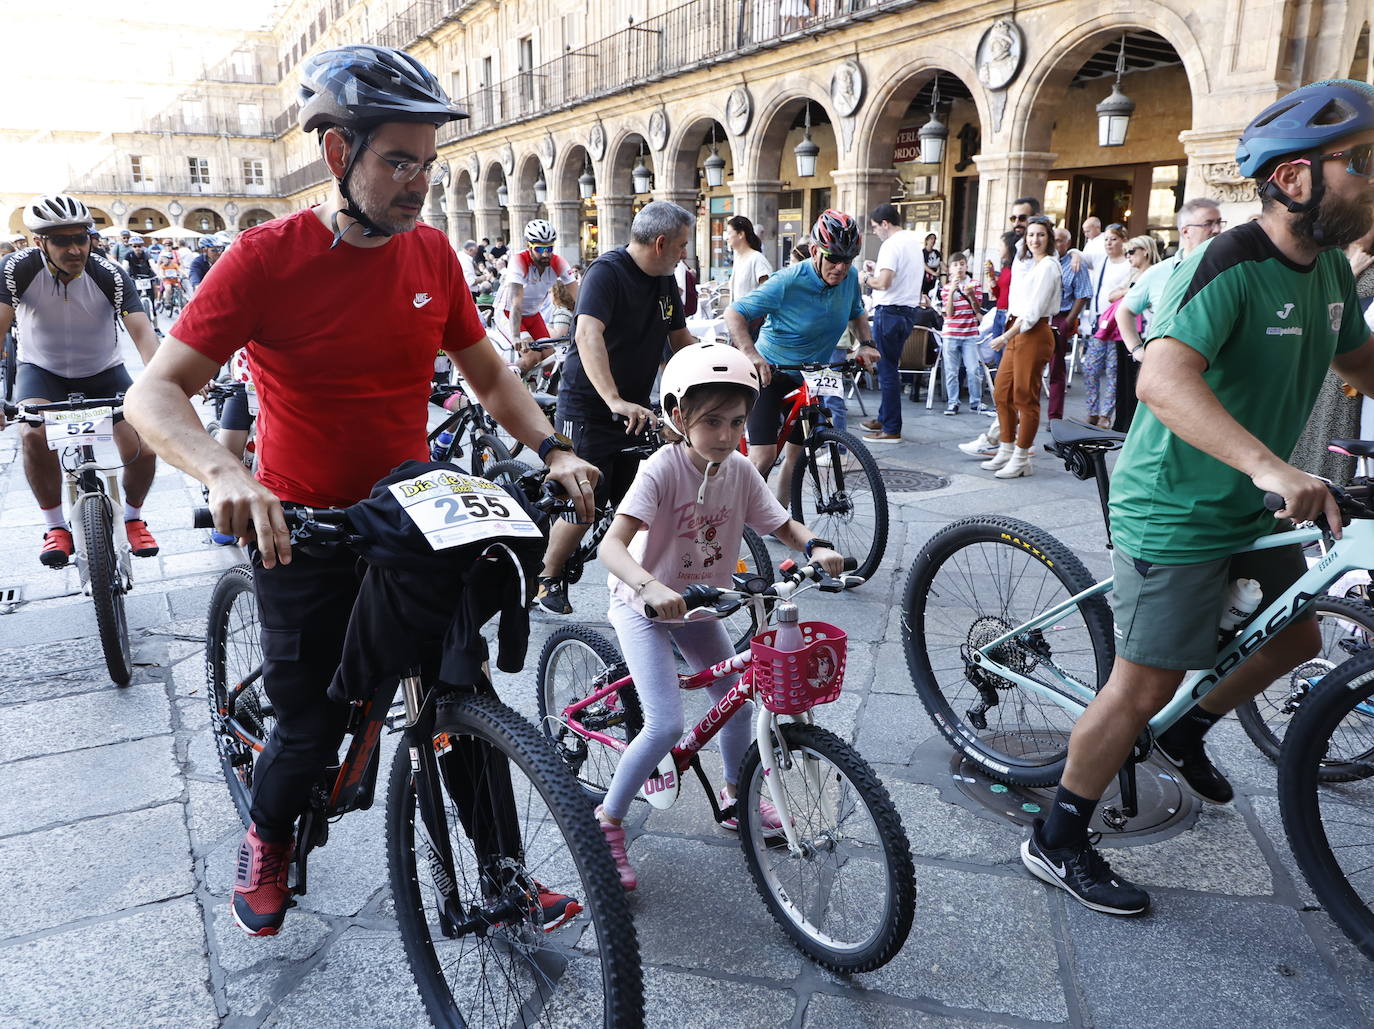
(1008, 639)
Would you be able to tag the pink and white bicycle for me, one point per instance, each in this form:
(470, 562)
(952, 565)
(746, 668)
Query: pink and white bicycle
(839, 879)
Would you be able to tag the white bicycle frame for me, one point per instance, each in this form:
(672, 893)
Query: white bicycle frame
(77, 499)
(1354, 551)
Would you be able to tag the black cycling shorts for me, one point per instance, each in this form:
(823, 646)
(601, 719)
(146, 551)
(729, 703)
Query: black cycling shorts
(34, 383)
(602, 444)
(765, 420)
(235, 415)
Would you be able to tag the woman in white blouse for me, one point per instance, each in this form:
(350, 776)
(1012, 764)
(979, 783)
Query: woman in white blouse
(1099, 355)
(1029, 343)
(750, 269)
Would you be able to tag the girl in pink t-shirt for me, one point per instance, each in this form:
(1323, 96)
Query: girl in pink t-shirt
(681, 523)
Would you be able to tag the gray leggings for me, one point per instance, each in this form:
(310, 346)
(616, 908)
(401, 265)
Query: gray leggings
(648, 650)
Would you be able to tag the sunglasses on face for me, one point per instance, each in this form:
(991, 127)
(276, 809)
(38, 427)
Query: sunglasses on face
(1132, 250)
(1359, 159)
(404, 171)
(1209, 224)
(837, 262)
(542, 251)
(68, 239)
(1019, 218)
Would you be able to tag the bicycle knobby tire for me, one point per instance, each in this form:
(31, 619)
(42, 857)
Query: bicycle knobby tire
(107, 587)
(853, 537)
(952, 703)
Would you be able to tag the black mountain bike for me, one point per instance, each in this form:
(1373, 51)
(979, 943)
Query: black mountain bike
(467, 431)
(482, 816)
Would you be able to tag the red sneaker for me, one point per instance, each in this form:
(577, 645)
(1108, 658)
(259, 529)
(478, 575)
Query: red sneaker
(141, 541)
(261, 896)
(556, 908)
(57, 548)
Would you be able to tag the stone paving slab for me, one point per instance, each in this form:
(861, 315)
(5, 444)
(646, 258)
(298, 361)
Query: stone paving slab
(84, 720)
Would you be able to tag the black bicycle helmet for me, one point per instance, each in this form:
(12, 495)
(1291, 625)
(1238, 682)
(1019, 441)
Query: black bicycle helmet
(357, 88)
(1303, 124)
(838, 235)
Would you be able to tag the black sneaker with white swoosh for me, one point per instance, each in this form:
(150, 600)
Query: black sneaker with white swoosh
(1084, 874)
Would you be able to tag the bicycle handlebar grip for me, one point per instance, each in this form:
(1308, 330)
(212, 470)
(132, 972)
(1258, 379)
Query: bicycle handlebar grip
(11, 410)
(699, 595)
(202, 518)
(1274, 502)
(851, 563)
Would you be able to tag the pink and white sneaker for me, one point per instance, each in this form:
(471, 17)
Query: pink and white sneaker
(768, 815)
(615, 839)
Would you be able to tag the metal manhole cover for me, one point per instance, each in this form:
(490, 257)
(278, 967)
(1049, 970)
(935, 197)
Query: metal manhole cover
(908, 480)
(1166, 807)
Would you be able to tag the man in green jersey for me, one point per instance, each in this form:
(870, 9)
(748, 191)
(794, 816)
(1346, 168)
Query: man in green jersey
(1245, 330)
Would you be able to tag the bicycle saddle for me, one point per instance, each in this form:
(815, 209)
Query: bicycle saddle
(1353, 447)
(1064, 431)
(547, 401)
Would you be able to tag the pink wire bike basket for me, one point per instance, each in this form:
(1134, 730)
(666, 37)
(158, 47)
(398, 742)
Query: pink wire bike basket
(790, 682)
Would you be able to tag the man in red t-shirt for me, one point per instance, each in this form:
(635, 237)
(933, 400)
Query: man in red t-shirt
(341, 308)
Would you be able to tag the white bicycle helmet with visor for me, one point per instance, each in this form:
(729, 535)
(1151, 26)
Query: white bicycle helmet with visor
(540, 233)
(355, 89)
(56, 211)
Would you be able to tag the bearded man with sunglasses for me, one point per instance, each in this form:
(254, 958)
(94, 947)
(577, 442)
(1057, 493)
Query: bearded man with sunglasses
(61, 294)
(1243, 335)
(529, 276)
(358, 288)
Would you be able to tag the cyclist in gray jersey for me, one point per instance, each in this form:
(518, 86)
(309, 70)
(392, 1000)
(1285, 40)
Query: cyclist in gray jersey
(61, 295)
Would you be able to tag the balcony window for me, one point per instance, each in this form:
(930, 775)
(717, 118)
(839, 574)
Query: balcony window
(242, 63)
(199, 168)
(254, 172)
(250, 119)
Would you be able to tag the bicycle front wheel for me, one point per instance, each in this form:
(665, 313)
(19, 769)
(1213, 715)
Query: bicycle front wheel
(973, 582)
(1330, 826)
(107, 588)
(241, 715)
(848, 899)
(487, 450)
(574, 664)
(1347, 629)
(839, 495)
(515, 968)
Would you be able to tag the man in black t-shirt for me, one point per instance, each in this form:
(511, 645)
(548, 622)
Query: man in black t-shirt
(627, 306)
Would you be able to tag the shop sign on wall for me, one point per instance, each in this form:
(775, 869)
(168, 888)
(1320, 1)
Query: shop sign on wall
(908, 146)
(790, 220)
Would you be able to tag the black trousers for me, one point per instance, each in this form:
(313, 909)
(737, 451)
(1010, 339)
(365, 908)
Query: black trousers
(305, 608)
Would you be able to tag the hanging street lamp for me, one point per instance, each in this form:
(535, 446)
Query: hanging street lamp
(1114, 113)
(586, 182)
(933, 134)
(715, 164)
(642, 176)
(806, 151)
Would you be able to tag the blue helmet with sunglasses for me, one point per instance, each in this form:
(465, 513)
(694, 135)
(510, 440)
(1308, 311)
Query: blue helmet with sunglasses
(1301, 126)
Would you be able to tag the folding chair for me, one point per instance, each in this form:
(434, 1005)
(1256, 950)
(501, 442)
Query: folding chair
(913, 362)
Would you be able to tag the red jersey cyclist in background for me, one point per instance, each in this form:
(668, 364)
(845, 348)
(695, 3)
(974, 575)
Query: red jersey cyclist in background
(530, 275)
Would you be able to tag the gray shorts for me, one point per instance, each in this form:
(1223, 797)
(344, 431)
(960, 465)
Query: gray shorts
(1167, 616)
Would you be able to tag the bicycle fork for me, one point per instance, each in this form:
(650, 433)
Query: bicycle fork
(773, 747)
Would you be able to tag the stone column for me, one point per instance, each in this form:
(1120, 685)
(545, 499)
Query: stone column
(613, 221)
(1002, 177)
(858, 191)
(687, 200)
(757, 200)
(487, 222)
(564, 215)
(434, 207)
(519, 215)
(1212, 172)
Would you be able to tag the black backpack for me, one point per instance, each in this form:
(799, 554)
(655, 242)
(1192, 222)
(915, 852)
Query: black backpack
(20, 269)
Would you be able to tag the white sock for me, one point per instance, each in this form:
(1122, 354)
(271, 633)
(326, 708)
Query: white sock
(52, 518)
(132, 514)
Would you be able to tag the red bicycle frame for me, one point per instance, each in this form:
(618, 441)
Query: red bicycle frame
(704, 731)
(801, 399)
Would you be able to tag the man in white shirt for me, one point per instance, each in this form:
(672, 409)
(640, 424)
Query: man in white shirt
(1094, 246)
(529, 277)
(467, 261)
(896, 279)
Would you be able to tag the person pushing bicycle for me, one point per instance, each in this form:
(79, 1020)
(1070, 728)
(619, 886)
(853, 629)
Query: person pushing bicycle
(805, 309)
(690, 502)
(354, 285)
(1246, 328)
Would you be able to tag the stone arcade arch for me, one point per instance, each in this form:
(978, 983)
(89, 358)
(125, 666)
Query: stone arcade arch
(616, 197)
(524, 206)
(204, 219)
(147, 219)
(684, 182)
(770, 183)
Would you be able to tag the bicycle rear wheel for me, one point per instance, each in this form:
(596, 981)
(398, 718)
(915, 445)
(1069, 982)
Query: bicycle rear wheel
(107, 587)
(513, 970)
(1347, 629)
(240, 713)
(972, 582)
(487, 450)
(1330, 826)
(848, 901)
(575, 663)
(838, 493)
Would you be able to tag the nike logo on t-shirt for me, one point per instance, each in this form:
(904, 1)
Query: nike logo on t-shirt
(421, 299)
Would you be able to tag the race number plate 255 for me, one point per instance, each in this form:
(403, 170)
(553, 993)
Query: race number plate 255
(453, 510)
(72, 428)
(825, 384)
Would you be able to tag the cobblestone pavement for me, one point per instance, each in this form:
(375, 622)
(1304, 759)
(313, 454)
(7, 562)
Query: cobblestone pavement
(117, 838)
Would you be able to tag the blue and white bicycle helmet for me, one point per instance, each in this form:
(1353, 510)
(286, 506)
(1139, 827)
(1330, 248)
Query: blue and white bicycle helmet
(1304, 124)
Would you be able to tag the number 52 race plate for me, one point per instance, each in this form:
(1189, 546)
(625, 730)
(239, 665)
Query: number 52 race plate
(452, 509)
(71, 428)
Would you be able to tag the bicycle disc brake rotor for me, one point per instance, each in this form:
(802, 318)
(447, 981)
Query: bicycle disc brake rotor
(1013, 654)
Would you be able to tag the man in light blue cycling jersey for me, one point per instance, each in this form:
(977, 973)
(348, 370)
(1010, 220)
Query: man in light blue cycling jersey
(806, 308)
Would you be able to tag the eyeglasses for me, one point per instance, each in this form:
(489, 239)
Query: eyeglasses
(405, 171)
(541, 251)
(837, 261)
(1209, 224)
(1360, 159)
(68, 239)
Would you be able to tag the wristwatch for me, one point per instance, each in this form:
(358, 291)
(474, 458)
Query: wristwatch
(814, 542)
(555, 442)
